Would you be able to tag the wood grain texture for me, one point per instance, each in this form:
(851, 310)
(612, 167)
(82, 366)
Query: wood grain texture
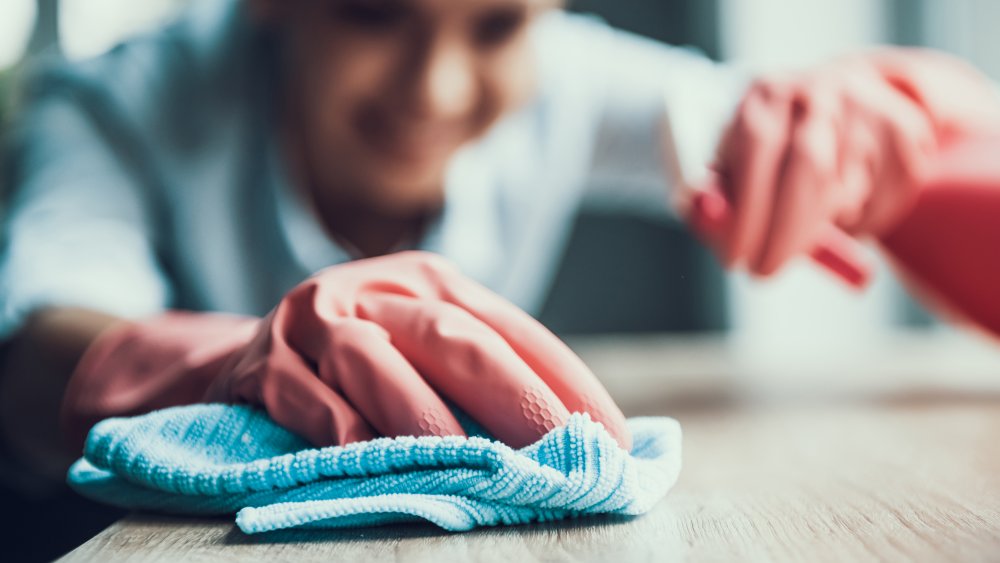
(887, 472)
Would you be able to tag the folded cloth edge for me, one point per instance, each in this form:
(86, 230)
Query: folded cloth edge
(547, 487)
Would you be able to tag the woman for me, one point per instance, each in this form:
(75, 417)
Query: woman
(215, 165)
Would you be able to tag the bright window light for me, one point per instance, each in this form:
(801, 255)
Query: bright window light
(16, 24)
(91, 27)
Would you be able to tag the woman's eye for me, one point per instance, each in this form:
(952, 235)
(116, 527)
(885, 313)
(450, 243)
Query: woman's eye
(497, 28)
(367, 15)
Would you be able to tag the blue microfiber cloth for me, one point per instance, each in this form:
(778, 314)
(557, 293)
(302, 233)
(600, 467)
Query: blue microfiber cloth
(221, 459)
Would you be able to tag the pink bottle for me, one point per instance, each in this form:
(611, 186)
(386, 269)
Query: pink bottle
(948, 247)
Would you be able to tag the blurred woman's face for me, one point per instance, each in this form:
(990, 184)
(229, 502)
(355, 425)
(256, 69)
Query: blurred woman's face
(381, 93)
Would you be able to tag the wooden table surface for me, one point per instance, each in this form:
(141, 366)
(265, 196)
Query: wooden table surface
(890, 455)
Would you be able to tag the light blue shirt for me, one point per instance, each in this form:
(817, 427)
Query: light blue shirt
(146, 179)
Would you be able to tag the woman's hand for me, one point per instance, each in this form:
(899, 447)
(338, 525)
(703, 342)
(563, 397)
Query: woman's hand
(847, 144)
(374, 347)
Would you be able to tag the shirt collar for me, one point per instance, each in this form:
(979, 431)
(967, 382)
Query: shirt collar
(466, 231)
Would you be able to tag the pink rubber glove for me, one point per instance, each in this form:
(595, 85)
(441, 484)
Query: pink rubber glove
(359, 350)
(847, 145)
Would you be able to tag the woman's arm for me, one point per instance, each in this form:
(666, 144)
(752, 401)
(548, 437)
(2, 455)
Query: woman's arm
(77, 237)
(34, 369)
(337, 361)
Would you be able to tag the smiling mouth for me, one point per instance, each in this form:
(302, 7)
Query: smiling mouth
(412, 143)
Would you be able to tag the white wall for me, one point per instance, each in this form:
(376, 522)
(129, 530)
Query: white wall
(774, 34)
(967, 28)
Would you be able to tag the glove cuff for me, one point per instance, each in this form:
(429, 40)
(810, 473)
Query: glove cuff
(136, 367)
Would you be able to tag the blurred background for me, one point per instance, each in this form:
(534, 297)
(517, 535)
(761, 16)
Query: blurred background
(628, 268)
(635, 268)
